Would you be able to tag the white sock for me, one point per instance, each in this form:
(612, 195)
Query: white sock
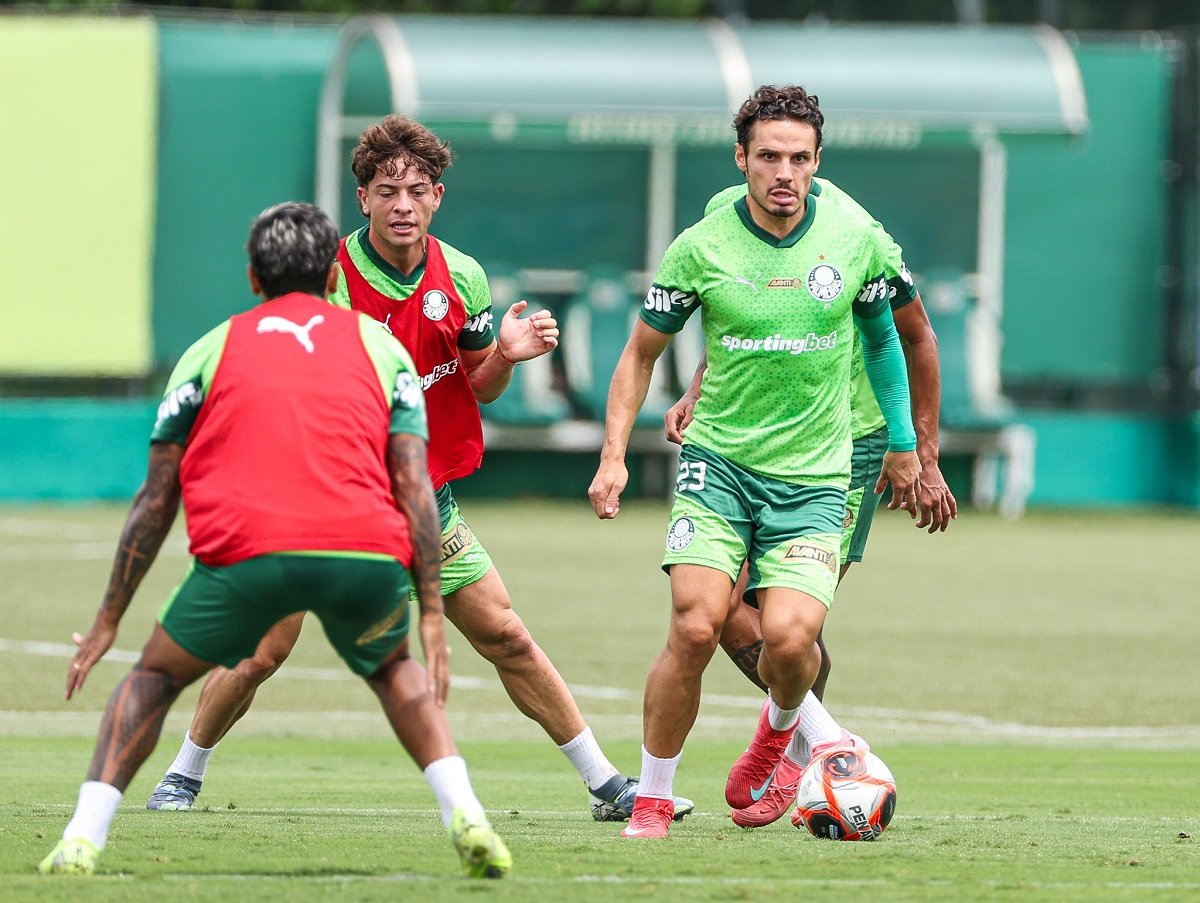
(589, 760)
(798, 749)
(448, 780)
(781, 719)
(191, 761)
(816, 723)
(93, 813)
(658, 776)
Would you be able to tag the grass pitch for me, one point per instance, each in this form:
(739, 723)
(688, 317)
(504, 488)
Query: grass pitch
(1032, 685)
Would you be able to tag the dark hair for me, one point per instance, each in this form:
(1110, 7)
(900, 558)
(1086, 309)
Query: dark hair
(291, 248)
(398, 137)
(774, 102)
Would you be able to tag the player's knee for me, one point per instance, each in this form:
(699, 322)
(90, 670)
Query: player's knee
(505, 638)
(695, 636)
(792, 650)
(258, 667)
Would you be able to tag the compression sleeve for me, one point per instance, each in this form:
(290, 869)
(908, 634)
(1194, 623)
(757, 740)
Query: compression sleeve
(883, 359)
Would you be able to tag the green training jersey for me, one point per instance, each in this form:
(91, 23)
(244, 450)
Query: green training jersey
(469, 280)
(865, 413)
(778, 321)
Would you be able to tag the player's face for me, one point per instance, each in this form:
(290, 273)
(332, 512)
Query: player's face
(399, 203)
(779, 165)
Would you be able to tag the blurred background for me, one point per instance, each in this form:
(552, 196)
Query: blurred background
(1037, 160)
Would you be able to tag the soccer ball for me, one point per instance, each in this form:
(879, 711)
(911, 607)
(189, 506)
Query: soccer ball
(845, 794)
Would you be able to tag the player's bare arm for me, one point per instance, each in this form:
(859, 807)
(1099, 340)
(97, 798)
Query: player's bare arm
(626, 395)
(518, 339)
(937, 502)
(679, 415)
(414, 497)
(149, 521)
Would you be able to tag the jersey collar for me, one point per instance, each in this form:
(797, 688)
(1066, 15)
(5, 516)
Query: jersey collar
(393, 273)
(788, 240)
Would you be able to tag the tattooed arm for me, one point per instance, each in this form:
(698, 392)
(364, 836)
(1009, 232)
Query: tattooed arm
(149, 521)
(414, 497)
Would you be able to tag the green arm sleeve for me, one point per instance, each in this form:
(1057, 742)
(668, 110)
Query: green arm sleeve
(397, 377)
(883, 359)
(341, 294)
(187, 387)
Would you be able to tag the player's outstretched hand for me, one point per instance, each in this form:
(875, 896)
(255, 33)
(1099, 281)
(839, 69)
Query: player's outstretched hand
(90, 649)
(607, 486)
(437, 654)
(524, 339)
(903, 471)
(678, 416)
(937, 502)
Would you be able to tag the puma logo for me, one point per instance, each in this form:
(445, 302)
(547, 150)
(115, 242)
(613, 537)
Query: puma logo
(279, 324)
(742, 280)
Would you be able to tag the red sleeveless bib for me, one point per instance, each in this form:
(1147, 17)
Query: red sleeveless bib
(289, 450)
(427, 324)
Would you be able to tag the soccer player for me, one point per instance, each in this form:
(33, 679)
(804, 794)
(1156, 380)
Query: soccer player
(435, 300)
(782, 283)
(295, 435)
(741, 637)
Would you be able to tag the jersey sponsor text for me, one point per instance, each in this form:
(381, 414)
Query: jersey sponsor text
(810, 342)
(664, 299)
(439, 371)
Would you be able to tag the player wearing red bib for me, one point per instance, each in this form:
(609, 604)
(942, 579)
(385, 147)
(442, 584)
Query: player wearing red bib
(295, 435)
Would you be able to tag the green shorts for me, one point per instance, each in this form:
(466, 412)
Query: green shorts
(861, 500)
(464, 559)
(220, 614)
(724, 515)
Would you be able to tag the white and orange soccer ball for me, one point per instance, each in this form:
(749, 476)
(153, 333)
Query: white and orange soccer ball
(845, 794)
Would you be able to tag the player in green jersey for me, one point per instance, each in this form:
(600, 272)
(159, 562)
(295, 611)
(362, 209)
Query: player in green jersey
(782, 284)
(741, 636)
(350, 503)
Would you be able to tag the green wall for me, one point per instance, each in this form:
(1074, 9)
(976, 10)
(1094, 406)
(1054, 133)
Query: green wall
(238, 123)
(67, 449)
(1083, 293)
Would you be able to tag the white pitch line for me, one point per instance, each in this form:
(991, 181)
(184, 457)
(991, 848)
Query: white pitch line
(20, 527)
(1166, 821)
(685, 881)
(80, 551)
(884, 719)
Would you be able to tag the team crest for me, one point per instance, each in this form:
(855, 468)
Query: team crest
(680, 534)
(848, 520)
(435, 304)
(824, 282)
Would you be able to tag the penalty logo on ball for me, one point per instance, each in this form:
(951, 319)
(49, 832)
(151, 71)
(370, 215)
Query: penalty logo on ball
(680, 534)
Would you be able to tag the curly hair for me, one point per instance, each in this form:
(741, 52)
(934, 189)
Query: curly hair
(398, 138)
(775, 102)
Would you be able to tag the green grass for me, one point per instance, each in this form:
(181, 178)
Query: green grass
(1032, 685)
